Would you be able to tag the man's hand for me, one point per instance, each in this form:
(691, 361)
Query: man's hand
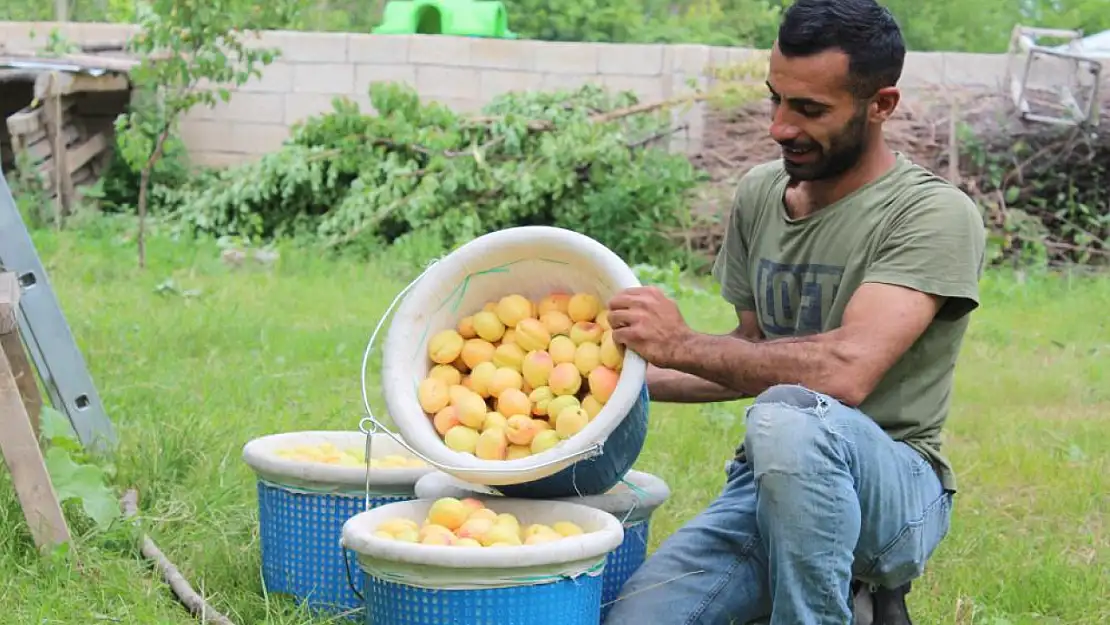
(650, 324)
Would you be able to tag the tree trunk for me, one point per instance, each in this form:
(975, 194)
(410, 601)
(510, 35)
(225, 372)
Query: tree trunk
(144, 182)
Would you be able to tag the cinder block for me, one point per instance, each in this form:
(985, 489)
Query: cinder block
(324, 78)
(221, 159)
(306, 47)
(647, 88)
(439, 50)
(378, 49)
(298, 106)
(687, 59)
(258, 138)
(636, 59)
(208, 136)
(570, 82)
(276, 77)
(560, 57)
(923, 69)
(89, 32)
(365, 74)
(974, 70)
(268, 108)
(503, 54)
(494, 83)
(447, 82)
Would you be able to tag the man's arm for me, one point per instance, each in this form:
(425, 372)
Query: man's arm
(880, 323)
(672, 385)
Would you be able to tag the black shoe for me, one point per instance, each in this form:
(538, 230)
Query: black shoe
(880, 606)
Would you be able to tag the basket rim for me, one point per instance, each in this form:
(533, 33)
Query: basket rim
(358, 536)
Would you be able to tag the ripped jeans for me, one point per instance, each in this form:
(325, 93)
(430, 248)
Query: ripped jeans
(822, 497)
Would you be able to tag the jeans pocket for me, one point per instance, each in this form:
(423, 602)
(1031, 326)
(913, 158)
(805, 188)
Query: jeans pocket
(904, 558)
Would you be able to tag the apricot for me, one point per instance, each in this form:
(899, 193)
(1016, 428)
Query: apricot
(508, 355)
(583, 307)
(516, 452)
(562, 349)
(472, 505)
(571, 421)
(460, 365)
(467, 542)
(407, 536)
(439, 538)
(445, 420)
(520, 429)
(587, 357)
(554, 302)
(455, 391)
(432, 395)
(470, 408)
(612, 353)
(592, 406)
(445, 346)
(559, 404)
(586, 332)
(477, 351)
(536, 367)
(510, 337)
(394, 526)
(488, 326)
(490, 307)
(544, 440)
(461, 438)
(481, 377)
(566, 528)
(602, 382)
(447, 373)
(466, 327)
(504, 378)
(474, 528)
(500, 533)
(494, 419)
(448, 512)
(556, 322)
(540, 398)
(565, 379)
(483, 513)
(512, 308)
(603, 319)
(532, 335)
(513, 402)
(492, 445)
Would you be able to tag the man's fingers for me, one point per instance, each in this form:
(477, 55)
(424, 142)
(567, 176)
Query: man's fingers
(622, 317)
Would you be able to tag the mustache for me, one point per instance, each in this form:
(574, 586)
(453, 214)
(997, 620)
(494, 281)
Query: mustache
(794, 144)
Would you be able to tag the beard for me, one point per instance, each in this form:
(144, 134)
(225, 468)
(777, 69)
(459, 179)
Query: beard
(817, 162)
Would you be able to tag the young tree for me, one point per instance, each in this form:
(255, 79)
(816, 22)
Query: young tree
(193, 52)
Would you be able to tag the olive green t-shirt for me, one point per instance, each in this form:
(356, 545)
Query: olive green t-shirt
(908, 227)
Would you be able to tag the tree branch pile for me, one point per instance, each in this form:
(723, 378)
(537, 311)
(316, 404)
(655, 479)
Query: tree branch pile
(1044, 189)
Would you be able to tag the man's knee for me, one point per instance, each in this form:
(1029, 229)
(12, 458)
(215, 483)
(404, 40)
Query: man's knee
(787, 431)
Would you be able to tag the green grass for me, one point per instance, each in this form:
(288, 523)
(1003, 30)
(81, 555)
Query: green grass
(189, 380)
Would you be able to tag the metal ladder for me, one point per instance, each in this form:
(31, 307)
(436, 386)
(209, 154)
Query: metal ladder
(47, 335)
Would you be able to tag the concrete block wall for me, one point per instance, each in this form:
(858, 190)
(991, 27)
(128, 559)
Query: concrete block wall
(466, 73)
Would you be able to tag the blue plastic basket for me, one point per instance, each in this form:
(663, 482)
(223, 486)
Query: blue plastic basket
(567, 602)
(597, 475)
(299, 541)
(623, 562)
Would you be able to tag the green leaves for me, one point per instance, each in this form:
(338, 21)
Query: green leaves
(532, 158)
(74, 477)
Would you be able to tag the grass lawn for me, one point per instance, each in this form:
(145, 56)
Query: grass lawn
(189, 380)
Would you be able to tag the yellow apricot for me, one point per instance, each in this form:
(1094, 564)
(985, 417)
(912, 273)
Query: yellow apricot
(583, 307)
(536, 367)
(586, 332)
(488, 326)
(556, 322)
(477, 351)
(557, 302)
(540, 397)
(592, 406)
(481, 377)
(511, 309)
(571, 421)
(532, 335)
(508, 355)
(612, 354)
(445, 346)
(504, 378)
(587, 357)
(447, 373)
(513, 402)
(602, 382)
(492, 445)
(432, 395)
(562, 349)
(466, 327)
(565, 379)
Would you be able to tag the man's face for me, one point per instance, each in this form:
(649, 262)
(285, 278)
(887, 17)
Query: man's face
(822, 127)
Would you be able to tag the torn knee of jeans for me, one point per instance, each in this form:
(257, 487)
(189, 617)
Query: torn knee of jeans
(793, 396)
(783, 438)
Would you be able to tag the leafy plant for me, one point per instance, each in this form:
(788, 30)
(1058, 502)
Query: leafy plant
(76, 478)
(191, 50)
(577, 159)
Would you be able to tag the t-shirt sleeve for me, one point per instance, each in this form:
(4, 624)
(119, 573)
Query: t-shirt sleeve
(730, 268)
(937, 246)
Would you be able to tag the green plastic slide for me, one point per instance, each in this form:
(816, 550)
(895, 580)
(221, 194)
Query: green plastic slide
(467, 18)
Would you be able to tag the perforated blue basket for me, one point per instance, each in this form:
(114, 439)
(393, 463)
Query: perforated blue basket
(559, 583)
(301, 511)
(633, 501)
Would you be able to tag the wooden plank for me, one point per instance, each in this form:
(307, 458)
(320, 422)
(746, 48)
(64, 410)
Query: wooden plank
(25, 378)
(83, 153)
(69, 62)
(25, 122)
(9, 302)
(62, 185)
(23, 457)
(66, 83)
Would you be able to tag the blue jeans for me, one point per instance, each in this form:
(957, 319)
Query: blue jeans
(822, 497)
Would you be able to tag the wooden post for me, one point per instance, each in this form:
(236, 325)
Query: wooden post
(18, 442)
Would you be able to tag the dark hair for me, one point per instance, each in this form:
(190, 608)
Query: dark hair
(862, 29)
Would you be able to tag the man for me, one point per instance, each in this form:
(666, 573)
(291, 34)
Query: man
(853, 273)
